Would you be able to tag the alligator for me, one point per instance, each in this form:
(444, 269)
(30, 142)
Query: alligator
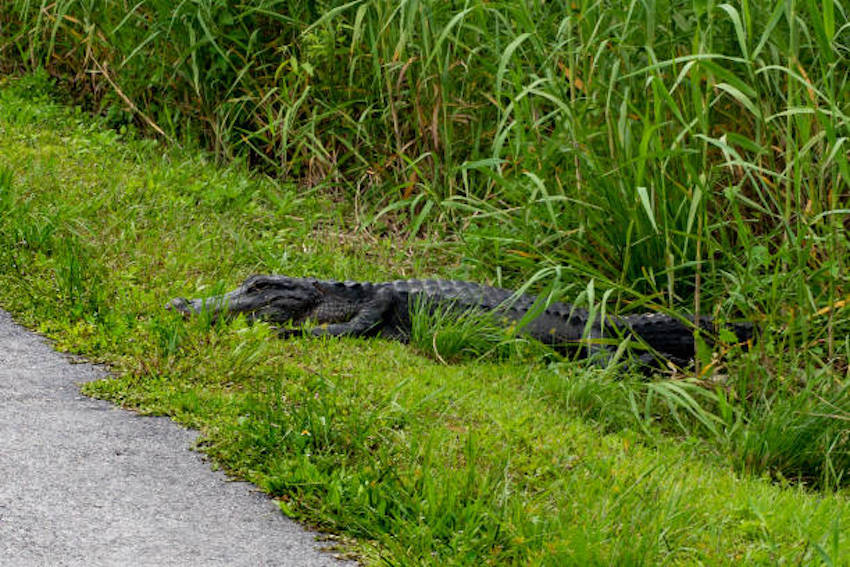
(384, 309)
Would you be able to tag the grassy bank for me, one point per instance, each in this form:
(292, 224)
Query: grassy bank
(523, 461)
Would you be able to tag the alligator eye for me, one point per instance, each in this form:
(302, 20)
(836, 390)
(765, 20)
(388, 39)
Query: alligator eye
(256, 284)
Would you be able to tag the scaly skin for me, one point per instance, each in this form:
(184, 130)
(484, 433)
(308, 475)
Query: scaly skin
(372, 309)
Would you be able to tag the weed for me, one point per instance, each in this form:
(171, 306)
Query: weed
(801, 436)
(7, 195)
(170, 332)
(449, 333)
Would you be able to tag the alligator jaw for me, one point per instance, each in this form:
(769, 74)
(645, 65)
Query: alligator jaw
(182, 306)
(188, 307)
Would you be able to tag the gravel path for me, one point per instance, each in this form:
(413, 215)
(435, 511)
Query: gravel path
(85, 483)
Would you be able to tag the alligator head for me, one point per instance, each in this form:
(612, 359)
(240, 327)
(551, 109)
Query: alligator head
(277, 299)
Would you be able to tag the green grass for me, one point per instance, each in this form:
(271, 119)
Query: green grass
(513, 460)
(450, 335)
(669, 155)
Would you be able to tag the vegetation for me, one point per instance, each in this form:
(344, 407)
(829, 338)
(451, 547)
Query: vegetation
(688, 157)
(520, 459)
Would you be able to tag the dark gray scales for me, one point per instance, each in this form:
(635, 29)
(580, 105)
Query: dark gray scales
(383, 309)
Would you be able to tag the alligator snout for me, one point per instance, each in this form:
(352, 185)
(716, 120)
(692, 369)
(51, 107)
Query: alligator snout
(181, 305)
(215, 306)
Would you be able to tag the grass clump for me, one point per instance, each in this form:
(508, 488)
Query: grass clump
(450, 334)
(803, 437)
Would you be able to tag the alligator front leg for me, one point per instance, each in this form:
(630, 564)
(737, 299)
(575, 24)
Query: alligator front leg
(370, 317)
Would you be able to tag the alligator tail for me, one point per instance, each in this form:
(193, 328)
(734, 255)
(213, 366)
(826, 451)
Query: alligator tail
(674, 338)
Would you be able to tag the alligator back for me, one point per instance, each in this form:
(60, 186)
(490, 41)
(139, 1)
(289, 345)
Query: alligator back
(463, 294)
(558, 324)
(665, 334)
